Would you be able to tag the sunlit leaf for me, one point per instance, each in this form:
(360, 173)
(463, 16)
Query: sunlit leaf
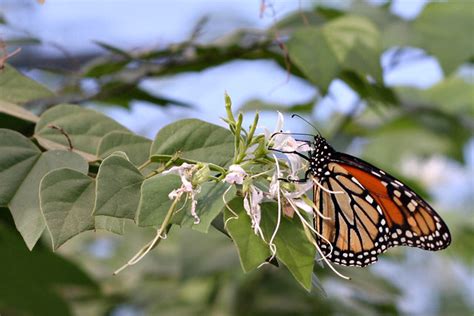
(154, 201)
(17, 111)
(22, 166)
(19, 155)
(453, 95)
(84, 127)
(209, 204)
(292, 246)
(118, 188)
(18, 89)
(136, 147)
(194, 140)
(67, 202)
(112, 224)
(395, 30)
(346, 43)
(252, 249)
(316, 17)
(395, 139)
(441, 29)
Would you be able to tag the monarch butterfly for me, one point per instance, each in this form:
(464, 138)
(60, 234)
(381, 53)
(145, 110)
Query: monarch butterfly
(367, 210)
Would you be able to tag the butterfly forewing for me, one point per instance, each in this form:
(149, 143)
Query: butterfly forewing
(412, 221)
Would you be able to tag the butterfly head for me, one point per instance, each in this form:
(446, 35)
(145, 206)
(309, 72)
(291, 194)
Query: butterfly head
(320, 156)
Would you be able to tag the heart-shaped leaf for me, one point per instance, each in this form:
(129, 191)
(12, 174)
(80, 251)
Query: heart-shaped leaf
(67, 201)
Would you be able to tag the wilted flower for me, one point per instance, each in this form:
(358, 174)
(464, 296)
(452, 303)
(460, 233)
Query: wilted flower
(252, 201)
(236, 175)
(185, 172)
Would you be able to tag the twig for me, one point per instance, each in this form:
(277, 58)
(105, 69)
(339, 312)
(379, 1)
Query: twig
(6, 55)
(62, 131)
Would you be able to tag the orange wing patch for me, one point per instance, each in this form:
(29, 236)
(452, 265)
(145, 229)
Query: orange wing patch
(379, 193)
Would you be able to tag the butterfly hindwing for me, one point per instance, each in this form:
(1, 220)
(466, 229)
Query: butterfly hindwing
(412, 221)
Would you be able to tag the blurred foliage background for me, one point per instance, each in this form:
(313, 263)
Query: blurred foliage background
(389, 81)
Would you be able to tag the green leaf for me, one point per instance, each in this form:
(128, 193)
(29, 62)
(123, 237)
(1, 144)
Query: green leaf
(17, 118)
(22, 41)
(17, 111)
(453, 95)
(67, 201)
(136, 147)
(258, 105)
(395, 139)
(22, 166)
(84, 127)
(252, 249)
(154, 201)
(118, 188)
(32, 281)
(373, 91)
(346, 43)
(210, 203)
(443, 30)
(194, 140)
(19, 155)
(103, 66)
(463, 233)
(318, 16)
(112, 224)
(113, 49)
(396, 31)
(123, 94)
(292, 246)
(19, 89)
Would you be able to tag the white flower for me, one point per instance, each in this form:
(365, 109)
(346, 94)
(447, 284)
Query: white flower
(293, 197)
(185, 172)
(236, 175)
(252, 202)
(283, 141)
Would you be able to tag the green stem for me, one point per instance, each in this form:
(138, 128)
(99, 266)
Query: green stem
(238, 129)
(228, 108)
(144, 165)
(253, 127)
(165, 227)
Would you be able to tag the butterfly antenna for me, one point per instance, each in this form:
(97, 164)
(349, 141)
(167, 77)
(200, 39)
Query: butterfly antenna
(308, 122)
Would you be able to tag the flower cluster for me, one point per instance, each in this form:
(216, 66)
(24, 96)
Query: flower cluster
(259, 174)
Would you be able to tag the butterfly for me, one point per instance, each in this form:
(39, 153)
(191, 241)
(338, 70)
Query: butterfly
(366, 210)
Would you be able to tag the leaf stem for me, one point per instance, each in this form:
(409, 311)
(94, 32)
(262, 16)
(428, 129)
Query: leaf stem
(153, 243)
(145, 164)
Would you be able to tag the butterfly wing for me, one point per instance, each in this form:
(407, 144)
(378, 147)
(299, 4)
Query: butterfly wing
(374, 212)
